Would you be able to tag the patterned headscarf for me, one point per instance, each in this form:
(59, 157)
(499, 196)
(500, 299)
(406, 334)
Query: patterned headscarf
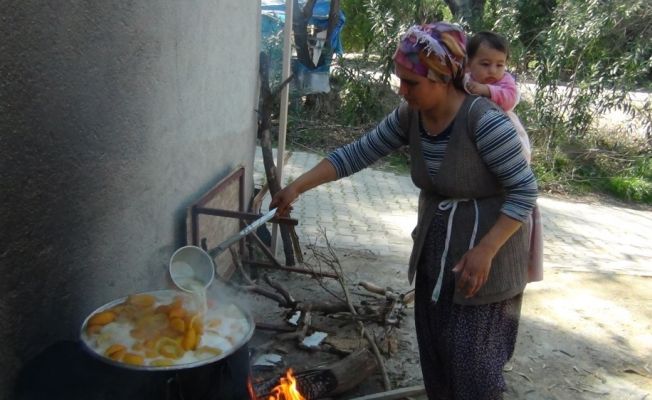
(436, 51)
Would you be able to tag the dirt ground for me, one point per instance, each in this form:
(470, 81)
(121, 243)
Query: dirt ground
(582, 335)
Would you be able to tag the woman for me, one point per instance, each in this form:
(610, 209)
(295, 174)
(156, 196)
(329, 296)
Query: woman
(471, 239)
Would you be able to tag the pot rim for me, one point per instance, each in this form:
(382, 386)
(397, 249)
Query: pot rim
(236, 346)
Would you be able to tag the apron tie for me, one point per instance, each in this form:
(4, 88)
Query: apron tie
(444, 205)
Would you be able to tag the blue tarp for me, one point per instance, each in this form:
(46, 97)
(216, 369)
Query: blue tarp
(274, 13)
(307, 80)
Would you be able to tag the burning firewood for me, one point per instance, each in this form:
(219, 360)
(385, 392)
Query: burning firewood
(328, 380)
(385, 310)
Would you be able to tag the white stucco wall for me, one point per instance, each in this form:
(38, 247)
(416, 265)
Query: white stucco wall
(114, 116)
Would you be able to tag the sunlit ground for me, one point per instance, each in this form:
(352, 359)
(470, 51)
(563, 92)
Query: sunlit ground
(584, 336)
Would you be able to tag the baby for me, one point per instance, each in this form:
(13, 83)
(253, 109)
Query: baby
(487, 54)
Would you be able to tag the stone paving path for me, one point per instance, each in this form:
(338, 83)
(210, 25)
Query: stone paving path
(376, 211)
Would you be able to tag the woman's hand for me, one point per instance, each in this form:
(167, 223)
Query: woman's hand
(283, 200)
(473, 269)
(321, 173)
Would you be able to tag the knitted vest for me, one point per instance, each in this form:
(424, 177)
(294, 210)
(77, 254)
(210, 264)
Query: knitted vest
(464, 175)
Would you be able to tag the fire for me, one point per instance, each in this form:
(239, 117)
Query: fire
(287, 389)
(250, 390)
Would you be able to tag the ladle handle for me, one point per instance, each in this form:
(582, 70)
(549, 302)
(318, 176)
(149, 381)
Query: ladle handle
(250, 228)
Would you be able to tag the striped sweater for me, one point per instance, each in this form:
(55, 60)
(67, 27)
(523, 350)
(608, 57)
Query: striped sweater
(496, 140)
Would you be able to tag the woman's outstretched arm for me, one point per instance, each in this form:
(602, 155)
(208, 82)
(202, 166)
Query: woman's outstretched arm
(321, 173)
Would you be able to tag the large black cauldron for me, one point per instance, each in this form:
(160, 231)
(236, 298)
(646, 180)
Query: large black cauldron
(73, 370)
(65, 371)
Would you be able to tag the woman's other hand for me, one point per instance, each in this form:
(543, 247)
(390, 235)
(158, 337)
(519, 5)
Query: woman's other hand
(473, 270)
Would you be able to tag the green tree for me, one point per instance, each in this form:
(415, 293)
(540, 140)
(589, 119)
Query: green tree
(600, 51)
(373, 26)
(469, 11)
(584, 56)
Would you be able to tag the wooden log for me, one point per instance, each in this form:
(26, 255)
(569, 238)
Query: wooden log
(289, 300)
(260, 264)
(266, 326)
(373, 288)
(408, 297)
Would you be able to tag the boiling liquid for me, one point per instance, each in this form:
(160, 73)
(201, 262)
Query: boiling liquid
(198, 290)
(184, 277)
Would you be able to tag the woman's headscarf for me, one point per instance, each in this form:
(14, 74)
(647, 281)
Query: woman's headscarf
(436, 51)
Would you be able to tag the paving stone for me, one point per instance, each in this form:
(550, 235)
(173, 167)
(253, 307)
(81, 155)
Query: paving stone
(376, 211)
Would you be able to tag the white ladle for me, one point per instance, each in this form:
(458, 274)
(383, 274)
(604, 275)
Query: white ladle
(192, 266)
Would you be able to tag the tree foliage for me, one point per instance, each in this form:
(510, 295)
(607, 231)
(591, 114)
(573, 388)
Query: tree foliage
(580, 57)
(597, 50)
(600, 51)
(373, 26)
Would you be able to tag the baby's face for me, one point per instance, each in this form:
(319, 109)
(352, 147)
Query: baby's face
(488, 65)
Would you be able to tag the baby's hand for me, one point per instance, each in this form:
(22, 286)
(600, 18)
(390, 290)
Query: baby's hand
(478, 88)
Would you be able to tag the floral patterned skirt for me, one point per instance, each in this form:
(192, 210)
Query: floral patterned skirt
(462, 348)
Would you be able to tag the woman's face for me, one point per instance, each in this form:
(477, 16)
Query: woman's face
(420, 92)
